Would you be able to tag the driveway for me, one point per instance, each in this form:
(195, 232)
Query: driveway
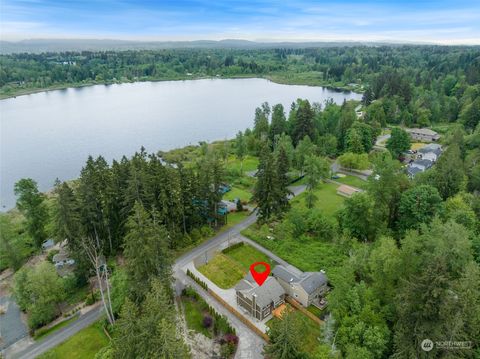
(11, 319)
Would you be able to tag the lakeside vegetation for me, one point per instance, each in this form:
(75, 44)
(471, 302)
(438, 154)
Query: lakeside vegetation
(398, 249)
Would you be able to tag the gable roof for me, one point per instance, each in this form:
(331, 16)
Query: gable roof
(412, 171)
(312, 281)
(309, 281)
(269, 291)
(422, 131)
(423, 162)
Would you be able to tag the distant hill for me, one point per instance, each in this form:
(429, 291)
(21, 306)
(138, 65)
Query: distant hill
(58, 45)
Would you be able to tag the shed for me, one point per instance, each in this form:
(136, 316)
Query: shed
(347, 191)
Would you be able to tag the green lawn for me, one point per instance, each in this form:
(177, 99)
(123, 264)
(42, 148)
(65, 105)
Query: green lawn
(223, 271)
(246, 255)
(417, 145)
(236, 192)
(227, 269)
(39, 334)
(328, 199)
(352, 181)
(250, 163)
(194, 313)
(316, 311)
(83, 345)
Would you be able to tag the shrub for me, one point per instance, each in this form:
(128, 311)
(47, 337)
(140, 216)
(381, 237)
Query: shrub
(207, 321)
(51, 254)
(232, 247)
(92, 298)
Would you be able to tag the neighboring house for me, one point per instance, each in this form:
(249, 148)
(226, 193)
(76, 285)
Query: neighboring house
(347, 191)
(431, 147)
(422, 164)
(259, 301)
(412, 171)
(49, 243)
(423, 134)
(431, 156)
(63, 263)
(306, 288)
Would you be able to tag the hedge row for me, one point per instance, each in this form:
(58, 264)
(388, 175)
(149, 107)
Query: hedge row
(197, 280)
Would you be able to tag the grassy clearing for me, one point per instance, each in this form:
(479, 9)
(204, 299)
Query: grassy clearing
(246, 255)
(39, 334)
(222, 271)
(352, 181)
(309, 254)
(237, 192)
(417, 145)
(250, 163)
(328, 199)
(227, 269)
(83, 345)
(195, 311)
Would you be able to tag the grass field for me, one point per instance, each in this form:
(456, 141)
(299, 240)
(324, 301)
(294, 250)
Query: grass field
(222, 271)
(328, 199)
(250, 163)
(352, 181)
(316, 311)
(246, 255)
(236, 192)
(194, 313)
(83, 345)
(227, 269)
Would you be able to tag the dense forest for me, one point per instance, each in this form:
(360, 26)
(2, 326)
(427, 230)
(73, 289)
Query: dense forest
(336, 66)
(403, 257)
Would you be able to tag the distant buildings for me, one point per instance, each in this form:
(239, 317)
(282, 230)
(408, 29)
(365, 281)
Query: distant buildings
(426, 158)
(423, 134)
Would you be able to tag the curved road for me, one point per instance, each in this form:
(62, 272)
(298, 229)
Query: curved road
(250, 345)
(61, 335)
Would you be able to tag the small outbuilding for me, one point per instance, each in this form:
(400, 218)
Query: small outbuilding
(347, 191)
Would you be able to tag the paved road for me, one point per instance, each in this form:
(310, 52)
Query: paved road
(250, 344)
(61, 335)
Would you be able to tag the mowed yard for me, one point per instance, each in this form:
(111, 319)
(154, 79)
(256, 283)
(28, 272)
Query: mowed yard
(83, 345)
(329, 202)
(227, 269)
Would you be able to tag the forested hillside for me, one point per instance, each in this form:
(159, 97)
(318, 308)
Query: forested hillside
(402, 256)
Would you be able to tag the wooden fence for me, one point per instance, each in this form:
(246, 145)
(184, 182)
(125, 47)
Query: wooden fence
(239, 316)
(300, 307)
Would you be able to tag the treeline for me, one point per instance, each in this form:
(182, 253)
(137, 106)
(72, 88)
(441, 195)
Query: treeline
(422, 65)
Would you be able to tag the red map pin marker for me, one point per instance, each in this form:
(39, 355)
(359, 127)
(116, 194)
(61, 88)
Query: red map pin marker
(260, 277)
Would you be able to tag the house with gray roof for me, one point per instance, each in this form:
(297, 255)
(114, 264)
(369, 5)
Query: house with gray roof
(423, 134)
(307, 288)
(259, 301)
(422, 164)
(412, 171)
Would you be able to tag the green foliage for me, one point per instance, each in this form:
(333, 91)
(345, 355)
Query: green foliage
(355, 161)
(32, 204)
(37, 291)
(357, 218)
(418, 205)
(448, 173)
(398, 142)
(154, 325)
(316, 169)
(15, 244)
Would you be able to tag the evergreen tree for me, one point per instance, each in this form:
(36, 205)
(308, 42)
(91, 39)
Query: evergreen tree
(398, 142)
(265, 189)
(279, 122)
(146, 252)
(31, 203)
(240, 149)
(316, 169)
(304, 124)
(281, 191)
(285, 337)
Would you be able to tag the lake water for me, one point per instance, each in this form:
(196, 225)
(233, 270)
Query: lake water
(50, 134)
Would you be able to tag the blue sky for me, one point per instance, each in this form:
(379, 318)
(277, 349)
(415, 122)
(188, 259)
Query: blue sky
(446, 22)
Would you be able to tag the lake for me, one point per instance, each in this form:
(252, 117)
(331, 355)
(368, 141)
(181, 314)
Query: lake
(49, 135)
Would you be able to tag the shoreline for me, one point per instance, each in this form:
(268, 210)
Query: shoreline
(270, 77)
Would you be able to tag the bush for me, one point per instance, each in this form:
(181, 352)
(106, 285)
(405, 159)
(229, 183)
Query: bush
(197, 280)
(207, 231)
(354, 161)
(227, 350)
(92, 298)
(51, 254)
(207, 321)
